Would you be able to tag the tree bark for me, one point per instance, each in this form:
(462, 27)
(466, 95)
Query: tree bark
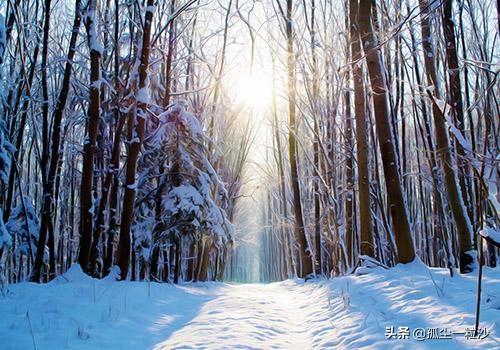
(56, 138)
(114, 164)
(362, 152)
(306, 267)
(455, 99)
(444, 151)
(136, 116)
(397, 205)
(89, 146)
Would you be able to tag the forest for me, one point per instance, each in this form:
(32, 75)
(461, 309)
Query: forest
(288, 143)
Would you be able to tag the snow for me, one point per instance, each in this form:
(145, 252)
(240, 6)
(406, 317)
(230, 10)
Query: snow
(350, 312)
(143, 96)
(5, 149)
(5, 238)
(17, 228)
(184, 198)
(491, 233)
(132, 186)
(463, 142)
(2, 38)
(93, 38)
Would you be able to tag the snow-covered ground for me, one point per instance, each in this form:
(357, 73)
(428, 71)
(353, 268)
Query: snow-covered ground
(352, 312)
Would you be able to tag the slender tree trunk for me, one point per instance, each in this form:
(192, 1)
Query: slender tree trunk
(177, 266)
(19, 140)
(397, 205)
(45, 91)
(455, 99)
(56, 137)
(315, 97)
(444, 151)
(115, 158)
(190, 265)
(305, 251)
(45, 131)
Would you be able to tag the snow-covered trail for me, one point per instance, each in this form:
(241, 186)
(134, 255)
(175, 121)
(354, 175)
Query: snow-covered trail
(351, 312)
(257, 316)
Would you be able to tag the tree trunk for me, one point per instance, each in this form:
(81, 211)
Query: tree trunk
(444, 151)
(455, 99)
(305, 252)
(362, 152)
(137, 115)
(93, 114)
(397, 205)
(56, 138)
(19, 140)
(191, 257)
(177, 266)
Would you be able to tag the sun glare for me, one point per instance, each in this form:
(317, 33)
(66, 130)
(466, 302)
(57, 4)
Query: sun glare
(254, 92)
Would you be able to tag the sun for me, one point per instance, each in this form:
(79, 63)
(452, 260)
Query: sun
(254, 91)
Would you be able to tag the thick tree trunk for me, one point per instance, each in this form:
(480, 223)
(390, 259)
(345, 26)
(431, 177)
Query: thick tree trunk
(135, 137)
(362, 152)
(89, 146)
(205, 261)
(397, 205)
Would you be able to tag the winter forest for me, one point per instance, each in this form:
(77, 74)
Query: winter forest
(255, 174)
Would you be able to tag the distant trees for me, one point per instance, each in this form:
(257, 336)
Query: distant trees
(408, 86)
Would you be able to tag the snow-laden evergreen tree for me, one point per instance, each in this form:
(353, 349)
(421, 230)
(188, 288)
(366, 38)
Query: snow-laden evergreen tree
(23, 226)
(193, 187)
(193, 197)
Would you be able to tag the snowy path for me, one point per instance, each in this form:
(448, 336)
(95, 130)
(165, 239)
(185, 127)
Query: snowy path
(266, 316)
(351, 312)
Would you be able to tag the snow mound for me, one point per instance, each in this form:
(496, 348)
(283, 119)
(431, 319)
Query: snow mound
(76, 274)
(113, 275)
